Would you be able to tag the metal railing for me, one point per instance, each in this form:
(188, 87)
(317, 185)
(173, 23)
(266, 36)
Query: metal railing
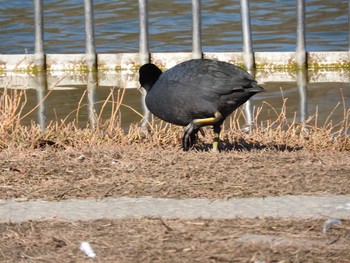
(301, 50)
(248, 53)
(39, 34)
(92, 100)
(144, 56)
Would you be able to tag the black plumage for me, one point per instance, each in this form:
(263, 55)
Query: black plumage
(196, 93)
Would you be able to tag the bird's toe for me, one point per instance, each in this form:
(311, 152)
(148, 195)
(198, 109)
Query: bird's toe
(189, 137)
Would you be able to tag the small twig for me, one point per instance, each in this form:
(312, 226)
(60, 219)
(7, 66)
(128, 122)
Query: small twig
(165, 225)
(108, 191)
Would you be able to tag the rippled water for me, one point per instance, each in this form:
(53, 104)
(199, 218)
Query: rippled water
(116, 25)
(116, 30)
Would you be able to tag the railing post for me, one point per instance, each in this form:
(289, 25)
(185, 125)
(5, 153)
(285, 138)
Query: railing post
(90, 37)
(144, 42)
(248, 55)
(301, 50)
(349, 24)
(91, 98)
(41, 87)
(144, 54)
(196, 29)
(39, 55)
(302, 89)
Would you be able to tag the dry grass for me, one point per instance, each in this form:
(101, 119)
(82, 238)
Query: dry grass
(273, 132)
(157, 240)
(278, 131)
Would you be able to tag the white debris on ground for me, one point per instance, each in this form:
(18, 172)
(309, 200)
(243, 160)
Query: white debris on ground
(330, 222)
(87, 249)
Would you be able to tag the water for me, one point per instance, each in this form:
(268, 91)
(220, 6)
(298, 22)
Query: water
(116, 26)
(116, 30)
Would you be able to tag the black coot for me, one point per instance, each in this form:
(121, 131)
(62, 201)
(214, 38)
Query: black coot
(196, 93)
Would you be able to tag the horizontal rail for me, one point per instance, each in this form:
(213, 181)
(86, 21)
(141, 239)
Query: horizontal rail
(129, 78)
(119, 61)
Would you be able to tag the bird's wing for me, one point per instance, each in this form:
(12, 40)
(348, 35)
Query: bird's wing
(226, 79)
(209, 77)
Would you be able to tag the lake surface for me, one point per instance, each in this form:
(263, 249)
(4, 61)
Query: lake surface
(116, 25)
(116, 30)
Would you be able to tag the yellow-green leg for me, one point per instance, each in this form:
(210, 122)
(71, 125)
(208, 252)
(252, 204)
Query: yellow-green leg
(217, 129)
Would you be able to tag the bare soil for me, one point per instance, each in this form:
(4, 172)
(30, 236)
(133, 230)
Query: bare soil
(156, 240)
(113, 170)
(102, 171)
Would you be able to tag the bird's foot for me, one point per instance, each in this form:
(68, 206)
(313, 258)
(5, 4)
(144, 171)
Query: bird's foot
(190, 136)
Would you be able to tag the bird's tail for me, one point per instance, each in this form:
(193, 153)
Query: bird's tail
(256, 89)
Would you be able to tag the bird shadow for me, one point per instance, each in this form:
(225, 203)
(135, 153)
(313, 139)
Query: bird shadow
(244, 145)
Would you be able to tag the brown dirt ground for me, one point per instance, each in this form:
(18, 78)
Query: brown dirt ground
(105, 171)
(102, 171)
(155, 240)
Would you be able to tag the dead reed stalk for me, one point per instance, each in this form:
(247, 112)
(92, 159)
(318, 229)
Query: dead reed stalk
(271, 127)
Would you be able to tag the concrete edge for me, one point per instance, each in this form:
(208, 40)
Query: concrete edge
(296, 207)
(119, 61)
(129, 78)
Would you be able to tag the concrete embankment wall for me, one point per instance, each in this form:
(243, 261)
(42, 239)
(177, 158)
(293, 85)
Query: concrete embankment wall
(119, 69)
